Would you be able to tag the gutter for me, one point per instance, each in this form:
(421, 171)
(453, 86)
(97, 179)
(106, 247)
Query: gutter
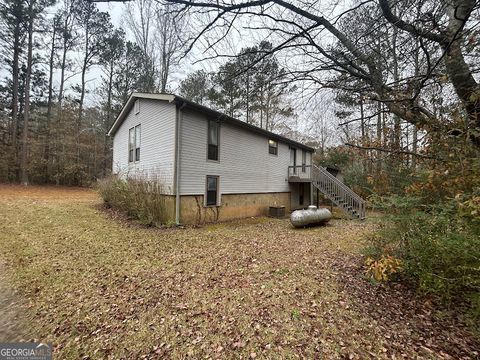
(201, 108)
(177, 163)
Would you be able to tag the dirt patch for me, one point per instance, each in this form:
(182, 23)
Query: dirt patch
(12, 324)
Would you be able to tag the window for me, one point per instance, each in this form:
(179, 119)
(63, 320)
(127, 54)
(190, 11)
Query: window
(134, 144)
(213, 140)
(137, 143)
(304, 161)
(212, 191)
(136, 106)
(131, 144)
(272, 147)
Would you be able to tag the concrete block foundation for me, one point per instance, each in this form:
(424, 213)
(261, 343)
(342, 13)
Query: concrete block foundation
(233, 206)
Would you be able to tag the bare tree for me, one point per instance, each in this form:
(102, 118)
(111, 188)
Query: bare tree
(111, 52)
(34, 14)
(170, 40)
(140, 17)
(160, 33)
(95, 26)
(26, 110)
(300, 26)
(68, 42)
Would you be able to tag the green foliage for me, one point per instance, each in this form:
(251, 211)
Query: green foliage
(295, 314)
(396, 204)
(336, 156)
(439, 246)
(139, 199)
(196, 86)
(368, 178)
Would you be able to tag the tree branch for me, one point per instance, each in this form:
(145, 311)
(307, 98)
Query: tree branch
(393, 151)
(412, 29)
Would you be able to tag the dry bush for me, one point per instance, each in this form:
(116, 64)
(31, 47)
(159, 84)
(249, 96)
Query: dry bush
(142, 199)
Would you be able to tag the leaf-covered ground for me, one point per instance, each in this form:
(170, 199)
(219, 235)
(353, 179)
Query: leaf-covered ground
(97, 286)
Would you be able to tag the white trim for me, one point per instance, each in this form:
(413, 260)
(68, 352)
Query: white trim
(217, 190)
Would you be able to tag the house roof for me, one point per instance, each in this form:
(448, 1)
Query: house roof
(203, 109)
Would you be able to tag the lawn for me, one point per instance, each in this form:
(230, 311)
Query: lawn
(98, 286)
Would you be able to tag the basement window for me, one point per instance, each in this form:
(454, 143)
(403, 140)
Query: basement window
(272, 147)
(134, 144)
(212, 191)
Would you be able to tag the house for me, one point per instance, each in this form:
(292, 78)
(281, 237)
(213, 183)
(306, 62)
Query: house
(212, 166)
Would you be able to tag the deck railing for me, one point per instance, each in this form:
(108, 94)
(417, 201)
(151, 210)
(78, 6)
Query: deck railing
(300, 172)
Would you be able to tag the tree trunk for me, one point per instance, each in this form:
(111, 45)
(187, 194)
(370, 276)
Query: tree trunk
(458, 70)
(80, 112)
(63, 63)
(26, 112)
(261, 106)
(165, 62)
(50, 102)
(82, 95)
(362, 129)
(414, 147)
(247, 98)
(109, 118)
(379, 136)
(15, 89)
(416, 64)
(396, 78)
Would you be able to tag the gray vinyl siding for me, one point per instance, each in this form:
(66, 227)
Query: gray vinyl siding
(157, 146)
(245, 165)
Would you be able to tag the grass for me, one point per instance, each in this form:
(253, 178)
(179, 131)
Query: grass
(98, 286)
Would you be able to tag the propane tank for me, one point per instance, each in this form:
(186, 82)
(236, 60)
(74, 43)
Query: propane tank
(310, 216)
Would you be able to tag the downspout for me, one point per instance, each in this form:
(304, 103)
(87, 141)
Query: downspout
(177, 164)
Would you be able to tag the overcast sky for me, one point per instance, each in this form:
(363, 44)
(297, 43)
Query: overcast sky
(240, 36)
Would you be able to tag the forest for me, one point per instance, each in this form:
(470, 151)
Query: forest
(387, 91)
(54, 122)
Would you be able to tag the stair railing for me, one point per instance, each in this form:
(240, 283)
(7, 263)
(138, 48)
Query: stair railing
(338, 192)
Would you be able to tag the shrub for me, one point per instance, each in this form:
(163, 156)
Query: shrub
(382, 269)
(140, 199)
(439, 247)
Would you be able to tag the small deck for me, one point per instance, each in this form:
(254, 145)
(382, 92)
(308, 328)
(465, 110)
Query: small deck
(300, 174)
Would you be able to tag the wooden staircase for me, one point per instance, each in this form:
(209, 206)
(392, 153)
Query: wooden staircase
(332, 188)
